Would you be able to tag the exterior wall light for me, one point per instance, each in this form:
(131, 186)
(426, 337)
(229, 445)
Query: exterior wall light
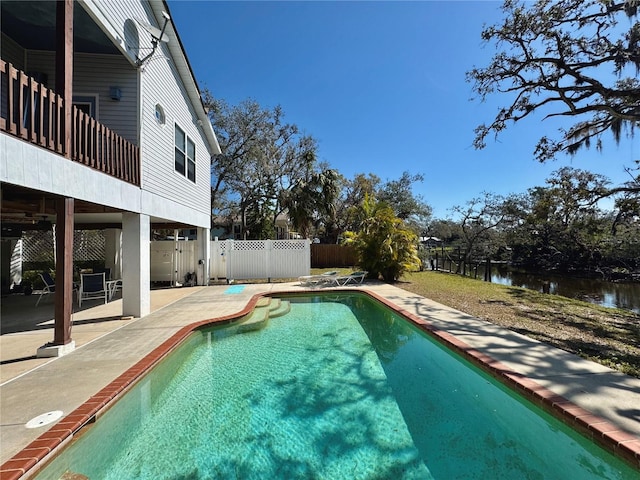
(115, 93)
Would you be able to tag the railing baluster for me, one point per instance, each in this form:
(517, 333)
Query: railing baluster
(59, 124)
(99, 146)
(42, 90)
(4, 73)
(32, 90)
(121, 159)
(75, 149)
(50, 117)
(23, 86)
(11, 80)
(127, 163)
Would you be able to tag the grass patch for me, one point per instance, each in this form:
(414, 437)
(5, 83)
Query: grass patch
(605, 335)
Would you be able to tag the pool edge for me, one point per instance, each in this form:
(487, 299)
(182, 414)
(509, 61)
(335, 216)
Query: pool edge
(38, 453)
(610, 437)
(26, 463)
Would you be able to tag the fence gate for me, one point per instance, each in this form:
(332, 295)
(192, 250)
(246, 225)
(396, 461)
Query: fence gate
(246, 259)
(172, 260)
(218, 260)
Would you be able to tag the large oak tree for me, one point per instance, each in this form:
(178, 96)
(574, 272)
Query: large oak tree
(577, 59)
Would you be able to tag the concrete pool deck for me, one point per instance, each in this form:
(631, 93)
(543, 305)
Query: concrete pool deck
(107, 349)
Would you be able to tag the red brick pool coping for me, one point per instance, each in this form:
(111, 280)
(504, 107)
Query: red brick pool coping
(30, 460)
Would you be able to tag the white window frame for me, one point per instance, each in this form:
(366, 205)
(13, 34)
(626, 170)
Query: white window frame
(187, 150)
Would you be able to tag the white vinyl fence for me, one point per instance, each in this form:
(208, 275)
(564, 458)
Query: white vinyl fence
(171, 261)
(246, 259)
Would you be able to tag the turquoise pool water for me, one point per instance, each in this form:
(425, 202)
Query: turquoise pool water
(339, 388)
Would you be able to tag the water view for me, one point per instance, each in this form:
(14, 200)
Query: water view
(599, 292)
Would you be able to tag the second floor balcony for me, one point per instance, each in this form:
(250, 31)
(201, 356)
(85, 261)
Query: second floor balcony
(34, 113)
(102, 131)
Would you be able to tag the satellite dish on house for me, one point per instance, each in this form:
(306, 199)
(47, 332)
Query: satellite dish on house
(155, 32)
(157, 35)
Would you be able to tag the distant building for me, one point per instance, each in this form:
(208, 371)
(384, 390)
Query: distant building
(430, 242)
(231, 228)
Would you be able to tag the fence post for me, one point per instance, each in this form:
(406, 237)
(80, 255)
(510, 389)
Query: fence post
(229, 254)
(268, 248)
(487, 271)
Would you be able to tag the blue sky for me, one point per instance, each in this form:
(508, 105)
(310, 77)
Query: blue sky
(381, 86)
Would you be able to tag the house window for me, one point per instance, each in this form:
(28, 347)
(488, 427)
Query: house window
(160, 118)
(86, 104)
(185, 155)
(191, 160)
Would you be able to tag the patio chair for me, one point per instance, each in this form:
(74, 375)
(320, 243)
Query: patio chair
(114, 286)
(93, 286)
(317, 280)
(106, 270)
(353, 277)
(49, 286)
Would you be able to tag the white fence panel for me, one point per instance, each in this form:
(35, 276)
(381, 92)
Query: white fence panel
(245, 259)
(289, 258)
(218, 260)
(162, 261)
(187, 261)
(171, 261)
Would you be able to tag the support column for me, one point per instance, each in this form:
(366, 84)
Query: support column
(64, 66)
(62, 342)
(136, 277)
(204, 256)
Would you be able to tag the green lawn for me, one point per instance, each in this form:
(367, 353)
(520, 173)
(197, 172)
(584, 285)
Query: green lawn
(605, 335)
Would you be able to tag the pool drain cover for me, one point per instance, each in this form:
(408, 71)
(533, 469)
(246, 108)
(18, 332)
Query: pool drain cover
(44, 419)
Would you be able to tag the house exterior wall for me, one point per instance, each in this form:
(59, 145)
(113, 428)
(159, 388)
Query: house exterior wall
(12, 52)
(93, 75)
(162, 85)
(165, 192)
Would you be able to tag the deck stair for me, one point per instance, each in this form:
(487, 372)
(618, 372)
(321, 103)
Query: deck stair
(259, 318)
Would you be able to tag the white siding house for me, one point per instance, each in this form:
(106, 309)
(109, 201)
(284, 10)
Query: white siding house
(140, 142)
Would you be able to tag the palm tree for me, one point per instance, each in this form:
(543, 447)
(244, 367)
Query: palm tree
(311, 199)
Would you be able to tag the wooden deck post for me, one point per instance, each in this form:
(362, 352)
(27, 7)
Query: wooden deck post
(64, 67)
(64, 271)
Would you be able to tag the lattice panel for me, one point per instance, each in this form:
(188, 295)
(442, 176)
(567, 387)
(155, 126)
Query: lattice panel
(249, 245)
(289, 245)
(38, 246)
(88, 245)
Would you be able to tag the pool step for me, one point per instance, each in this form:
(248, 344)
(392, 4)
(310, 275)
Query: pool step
(283, 308)
(264, 301)
(265, 309)
(68, 475)
(255, 320)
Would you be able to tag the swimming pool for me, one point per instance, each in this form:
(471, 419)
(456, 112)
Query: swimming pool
(341, 387)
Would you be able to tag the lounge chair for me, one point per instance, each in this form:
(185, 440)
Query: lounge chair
(93, 286)
(49, 286)
(317, 280)
(353, 277)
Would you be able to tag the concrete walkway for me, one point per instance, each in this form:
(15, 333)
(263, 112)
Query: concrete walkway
(102, 356)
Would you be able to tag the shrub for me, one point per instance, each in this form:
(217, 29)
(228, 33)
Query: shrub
(384, 246)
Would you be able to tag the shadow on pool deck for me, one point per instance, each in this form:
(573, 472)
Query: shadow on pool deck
(25, 327)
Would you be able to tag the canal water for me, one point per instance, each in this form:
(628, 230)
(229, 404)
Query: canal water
(599, 292)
